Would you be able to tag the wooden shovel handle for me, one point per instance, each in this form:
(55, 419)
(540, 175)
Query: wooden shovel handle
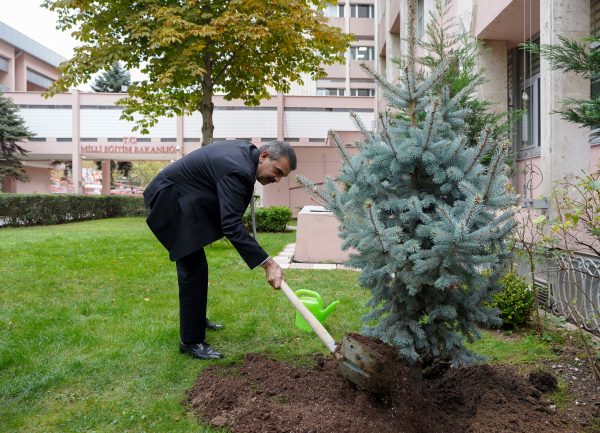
(316, 326)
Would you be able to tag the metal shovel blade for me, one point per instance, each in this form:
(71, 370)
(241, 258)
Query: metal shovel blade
(363, 366)
(359, 364)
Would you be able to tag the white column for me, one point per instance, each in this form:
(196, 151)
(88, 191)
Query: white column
(348, 58)
(565, 146)
(76, 149)
(493, 63)
(106, 177)
(392, 44)
(179, 145)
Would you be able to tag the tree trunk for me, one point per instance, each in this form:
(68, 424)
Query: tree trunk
(206, 106)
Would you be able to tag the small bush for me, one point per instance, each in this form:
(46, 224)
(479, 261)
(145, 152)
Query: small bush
(515, 300)
(45, 209)
(269, 219)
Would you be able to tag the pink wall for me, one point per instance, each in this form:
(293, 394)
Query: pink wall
(39, 181)
(528, 173)
(336, 22)
(16, 78)
(530, 169)
(595, 158)
(335, 71)
(315, 163)
(356, 71)
(8, 78)
(362, 27)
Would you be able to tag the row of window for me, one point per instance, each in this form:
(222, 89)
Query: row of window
(242, 108)
(323, 91)
(191, 139)
(356, 11)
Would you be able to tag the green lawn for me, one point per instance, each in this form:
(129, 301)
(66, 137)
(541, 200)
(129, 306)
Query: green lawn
(89, 326)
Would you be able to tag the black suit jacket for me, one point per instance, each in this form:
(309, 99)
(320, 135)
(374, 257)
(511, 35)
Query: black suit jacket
(201, 198)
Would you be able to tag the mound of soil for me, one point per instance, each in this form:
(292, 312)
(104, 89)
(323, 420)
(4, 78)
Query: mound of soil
(264, 395)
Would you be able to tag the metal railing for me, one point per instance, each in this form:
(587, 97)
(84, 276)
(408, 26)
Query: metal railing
(568, 286)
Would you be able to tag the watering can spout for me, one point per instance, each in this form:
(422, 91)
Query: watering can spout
(329, 309)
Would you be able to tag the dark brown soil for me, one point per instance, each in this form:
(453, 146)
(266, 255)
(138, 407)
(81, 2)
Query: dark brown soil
(264, 395)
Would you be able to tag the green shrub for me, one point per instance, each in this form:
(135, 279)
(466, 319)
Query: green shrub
(269, 219)
(44, 209)
(515, 300)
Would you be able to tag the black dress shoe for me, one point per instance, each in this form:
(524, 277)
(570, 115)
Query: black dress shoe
(200, 351)
(213, 326)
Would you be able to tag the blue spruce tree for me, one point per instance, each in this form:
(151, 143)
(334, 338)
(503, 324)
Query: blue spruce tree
(427, 220)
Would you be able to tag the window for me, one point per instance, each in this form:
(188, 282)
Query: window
(362, 53)
(322, 91)
(528, 99)
(362, 92)
(595, 93)
(334, 10)
(529, 131)
(38, 79)
(362, 11)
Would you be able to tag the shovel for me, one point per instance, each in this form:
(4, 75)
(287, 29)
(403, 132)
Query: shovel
(361, 365)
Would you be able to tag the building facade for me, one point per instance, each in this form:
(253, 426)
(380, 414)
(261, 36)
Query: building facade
(80, 126)
(547, 147)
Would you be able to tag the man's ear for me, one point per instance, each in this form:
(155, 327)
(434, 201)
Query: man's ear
(264, 154)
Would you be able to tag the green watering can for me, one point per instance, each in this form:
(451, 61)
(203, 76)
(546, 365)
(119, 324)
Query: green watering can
(313, 301)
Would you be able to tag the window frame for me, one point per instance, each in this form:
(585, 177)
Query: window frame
(354, 50)
(354, 92)
(355, 7)
(330, 91)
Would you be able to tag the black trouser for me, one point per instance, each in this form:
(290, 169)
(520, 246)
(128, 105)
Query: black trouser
(192, 275)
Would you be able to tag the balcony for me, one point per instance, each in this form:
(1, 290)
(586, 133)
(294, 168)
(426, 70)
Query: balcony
(503, 19)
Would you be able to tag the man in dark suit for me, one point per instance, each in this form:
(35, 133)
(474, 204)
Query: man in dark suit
(201, 198)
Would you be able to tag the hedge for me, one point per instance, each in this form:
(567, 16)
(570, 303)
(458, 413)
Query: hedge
(269, 219)
(44, 209)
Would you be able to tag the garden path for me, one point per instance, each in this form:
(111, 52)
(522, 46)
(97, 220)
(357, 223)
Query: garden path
(286, 256)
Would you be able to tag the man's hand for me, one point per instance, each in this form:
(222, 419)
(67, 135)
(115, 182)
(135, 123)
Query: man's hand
(273, 272)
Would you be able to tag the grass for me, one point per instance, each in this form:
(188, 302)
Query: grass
(89, 326)
(517, 348)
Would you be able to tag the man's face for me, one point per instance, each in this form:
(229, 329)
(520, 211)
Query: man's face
(271, 170)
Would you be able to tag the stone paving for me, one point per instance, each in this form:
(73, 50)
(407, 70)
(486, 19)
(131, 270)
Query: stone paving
(285, 257)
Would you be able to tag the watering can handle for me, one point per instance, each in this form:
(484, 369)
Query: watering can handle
(310, 293)
(316, 326)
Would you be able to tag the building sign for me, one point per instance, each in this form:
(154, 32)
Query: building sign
(129, 145)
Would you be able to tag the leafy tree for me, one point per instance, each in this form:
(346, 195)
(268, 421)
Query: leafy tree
(12, 130)
(576, 56)
(427, 219)
(123, 167)
(143, 172)
(113, 80)
(192, 49)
